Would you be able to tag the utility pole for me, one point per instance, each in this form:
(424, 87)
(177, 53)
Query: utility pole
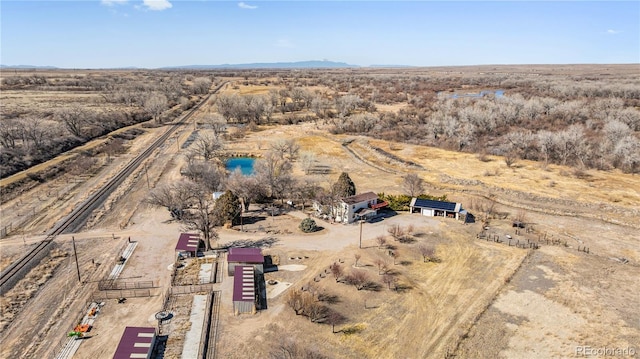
(73, 240)
(361, 234)
(241, 211)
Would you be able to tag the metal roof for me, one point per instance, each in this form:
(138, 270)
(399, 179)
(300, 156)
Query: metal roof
(362, 197)
(243, 284)
(188, 242)
(428, 203)
(136, 342)
(245, 255)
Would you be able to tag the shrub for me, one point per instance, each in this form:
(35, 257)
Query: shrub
(308, 225)
(401, 202)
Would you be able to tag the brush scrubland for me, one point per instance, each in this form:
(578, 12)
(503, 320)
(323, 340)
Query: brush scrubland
(559, 150)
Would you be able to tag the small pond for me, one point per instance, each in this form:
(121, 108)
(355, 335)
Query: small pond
(244, 163)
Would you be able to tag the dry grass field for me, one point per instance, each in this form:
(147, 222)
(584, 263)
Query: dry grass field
(481, 299)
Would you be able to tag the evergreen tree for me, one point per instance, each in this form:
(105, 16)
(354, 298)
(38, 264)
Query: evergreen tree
(344, 187)
(308, 225)
(227, 208)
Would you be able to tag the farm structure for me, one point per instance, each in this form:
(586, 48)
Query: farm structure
(359, 207)
(245, 257)
(244, 290)
(136, 342)
(432, 208)
(188, 244)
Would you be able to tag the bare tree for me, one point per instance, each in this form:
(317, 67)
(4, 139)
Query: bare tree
(296, 301)
(285, 148)
(216, 122)
(10, 132)
(347, 104)
(191, 204)
(427, 252)
(305, 190)
(381, 241)
(316, 311)
(207, 146)
(357, 256)
(201, 215)
(357, 278)
(173, 197)
(247, 188)
(389, 279)
(275, 173)
(288, 348)
(334, 318)
(74, 119)
(155, 104)
(34, 131)
(204, 173)
(396, 231)
(320, 106)
(382, 265)
(336, 270)
(201, 85)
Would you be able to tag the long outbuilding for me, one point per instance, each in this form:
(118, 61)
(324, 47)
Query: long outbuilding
(432, 208)
(244, 290)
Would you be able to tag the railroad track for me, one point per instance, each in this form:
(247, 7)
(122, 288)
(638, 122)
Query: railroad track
(76, 219)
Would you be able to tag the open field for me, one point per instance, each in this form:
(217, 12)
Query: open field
(480, 299)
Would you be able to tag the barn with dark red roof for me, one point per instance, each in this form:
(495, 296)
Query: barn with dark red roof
(136, 342)
(244, 290)
(188, 244)
(245, 257)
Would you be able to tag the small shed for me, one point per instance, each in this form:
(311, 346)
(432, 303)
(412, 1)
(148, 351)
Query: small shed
(431, 208)
(245, 257)
(136, 342)
(188, 244)
(244, 290)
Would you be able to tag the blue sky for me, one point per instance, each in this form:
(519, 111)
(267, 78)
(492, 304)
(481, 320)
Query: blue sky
(156, 33)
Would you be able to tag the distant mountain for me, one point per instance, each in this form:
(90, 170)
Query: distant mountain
(258, 65)
(271, 65)
(28, 67)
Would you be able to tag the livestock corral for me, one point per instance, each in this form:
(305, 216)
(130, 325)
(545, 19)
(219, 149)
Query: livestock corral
(548, 265)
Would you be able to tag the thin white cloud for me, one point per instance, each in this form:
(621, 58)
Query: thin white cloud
(284, 43)
(613, 32)
(242, 5)
(157, 5)
(113, 2)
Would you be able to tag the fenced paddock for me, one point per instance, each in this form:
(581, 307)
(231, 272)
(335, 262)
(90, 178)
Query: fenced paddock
(191, 289)
(114, 284)
(117, 294)
(190, 274)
